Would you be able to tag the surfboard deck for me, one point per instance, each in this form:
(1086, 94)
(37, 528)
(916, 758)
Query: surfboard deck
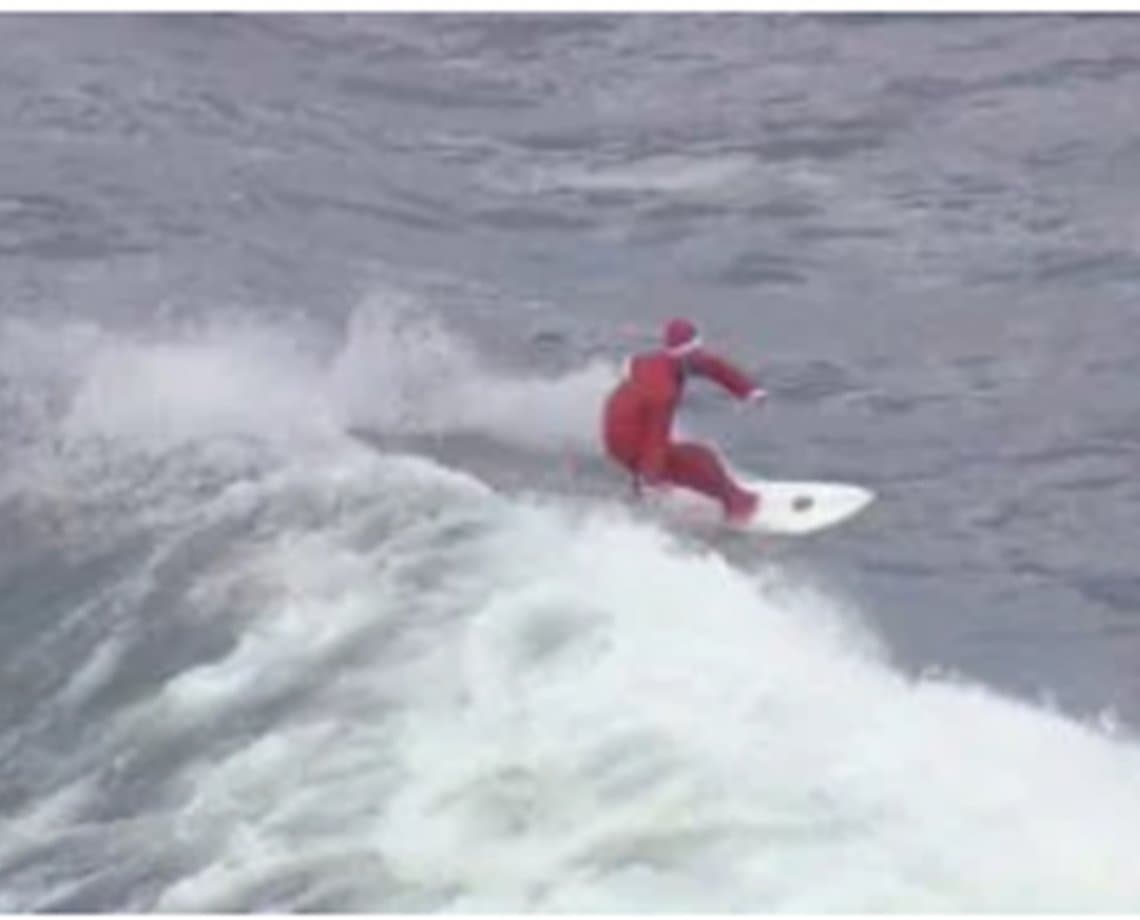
(788, 508)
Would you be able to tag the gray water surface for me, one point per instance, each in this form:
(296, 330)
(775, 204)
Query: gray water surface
(920, 230)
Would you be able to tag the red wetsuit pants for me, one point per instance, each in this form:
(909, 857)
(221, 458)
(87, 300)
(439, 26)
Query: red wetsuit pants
(636, 431)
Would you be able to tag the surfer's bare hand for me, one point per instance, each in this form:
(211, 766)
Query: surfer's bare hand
(756, 398)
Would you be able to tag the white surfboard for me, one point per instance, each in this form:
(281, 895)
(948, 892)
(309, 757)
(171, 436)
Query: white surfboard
(791, 508)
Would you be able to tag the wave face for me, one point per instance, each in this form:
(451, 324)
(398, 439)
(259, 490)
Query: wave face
(273, 668)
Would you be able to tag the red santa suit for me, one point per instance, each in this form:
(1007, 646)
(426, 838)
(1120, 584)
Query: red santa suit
(638, 419)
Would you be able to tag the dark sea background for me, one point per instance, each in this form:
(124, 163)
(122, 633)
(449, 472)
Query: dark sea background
(315, 594)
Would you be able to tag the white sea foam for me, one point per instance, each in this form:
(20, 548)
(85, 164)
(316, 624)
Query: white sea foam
(594, 718)
(403, 371)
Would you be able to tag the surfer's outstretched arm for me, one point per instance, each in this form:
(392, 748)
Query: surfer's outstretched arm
(724, 373)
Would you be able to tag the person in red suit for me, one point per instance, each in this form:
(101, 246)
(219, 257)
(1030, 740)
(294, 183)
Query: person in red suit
(638, 420)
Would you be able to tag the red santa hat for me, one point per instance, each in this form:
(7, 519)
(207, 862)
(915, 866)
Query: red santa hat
(680, 337)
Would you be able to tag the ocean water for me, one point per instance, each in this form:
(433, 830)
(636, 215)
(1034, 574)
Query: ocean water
(315, 594)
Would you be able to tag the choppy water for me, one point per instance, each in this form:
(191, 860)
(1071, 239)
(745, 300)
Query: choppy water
(250, 661)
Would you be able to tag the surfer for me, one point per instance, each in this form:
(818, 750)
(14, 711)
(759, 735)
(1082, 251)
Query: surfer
(638, 420)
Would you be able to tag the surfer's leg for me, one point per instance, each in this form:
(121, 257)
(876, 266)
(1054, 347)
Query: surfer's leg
(620, 433)
(700, 468)
(623, 434)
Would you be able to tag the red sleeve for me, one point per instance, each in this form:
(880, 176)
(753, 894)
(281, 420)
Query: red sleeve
(728, 375)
